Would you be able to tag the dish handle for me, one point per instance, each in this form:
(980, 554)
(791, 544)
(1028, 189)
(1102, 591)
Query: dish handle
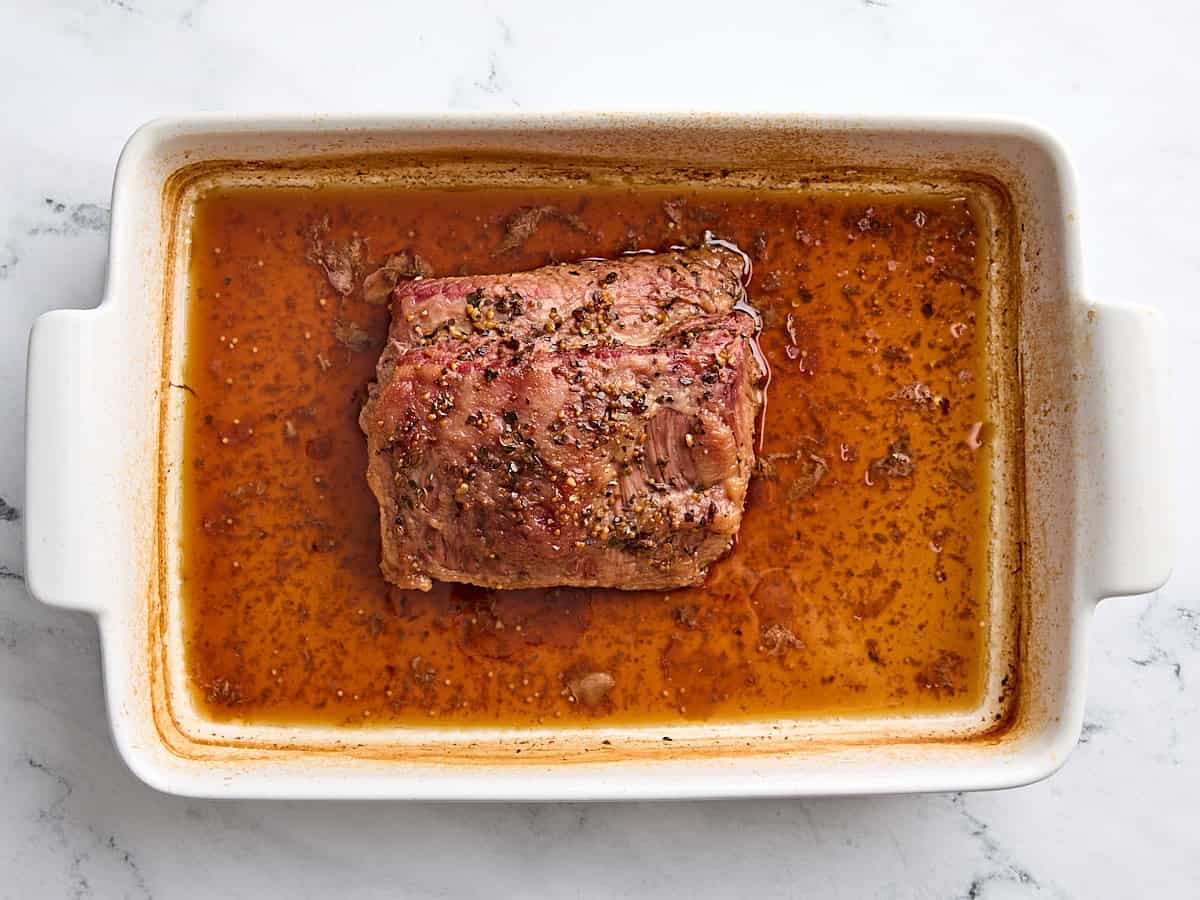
(1126, 438)
(66, 522)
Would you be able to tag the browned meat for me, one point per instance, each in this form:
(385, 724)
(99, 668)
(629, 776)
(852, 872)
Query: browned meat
(630, 301)
(521, 461)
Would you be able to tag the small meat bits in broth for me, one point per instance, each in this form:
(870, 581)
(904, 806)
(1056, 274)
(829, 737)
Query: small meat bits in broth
(856, 584)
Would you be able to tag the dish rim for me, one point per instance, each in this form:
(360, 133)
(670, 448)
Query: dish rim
(552, 781)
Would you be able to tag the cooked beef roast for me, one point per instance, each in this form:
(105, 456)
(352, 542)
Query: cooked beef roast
(631, 301)
(589, 424)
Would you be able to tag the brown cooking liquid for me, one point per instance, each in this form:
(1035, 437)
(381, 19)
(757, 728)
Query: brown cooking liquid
(856, 584)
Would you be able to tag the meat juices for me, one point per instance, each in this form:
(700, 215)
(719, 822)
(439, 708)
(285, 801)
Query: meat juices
(841, 598)
(588, 424)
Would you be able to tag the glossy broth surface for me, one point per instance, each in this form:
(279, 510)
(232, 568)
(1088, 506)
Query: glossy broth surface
(856, 585)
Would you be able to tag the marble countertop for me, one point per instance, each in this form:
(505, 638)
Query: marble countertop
(1114, 82)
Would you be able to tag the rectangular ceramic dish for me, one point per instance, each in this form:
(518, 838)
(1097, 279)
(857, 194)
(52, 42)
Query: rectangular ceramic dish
(1080, 487)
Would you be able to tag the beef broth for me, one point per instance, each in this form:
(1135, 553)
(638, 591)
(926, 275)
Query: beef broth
(857, 583)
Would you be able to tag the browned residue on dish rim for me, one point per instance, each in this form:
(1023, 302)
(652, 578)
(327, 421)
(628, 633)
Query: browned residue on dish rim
(577, 746)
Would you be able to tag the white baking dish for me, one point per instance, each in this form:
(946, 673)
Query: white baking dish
(1084, 487)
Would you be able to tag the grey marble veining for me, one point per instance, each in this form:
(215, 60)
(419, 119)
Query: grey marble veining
(1122, 818)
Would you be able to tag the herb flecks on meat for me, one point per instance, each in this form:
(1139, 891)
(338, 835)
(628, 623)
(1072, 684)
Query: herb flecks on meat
(612, 448)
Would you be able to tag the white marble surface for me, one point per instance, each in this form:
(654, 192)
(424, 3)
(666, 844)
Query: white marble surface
(1118, 83)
